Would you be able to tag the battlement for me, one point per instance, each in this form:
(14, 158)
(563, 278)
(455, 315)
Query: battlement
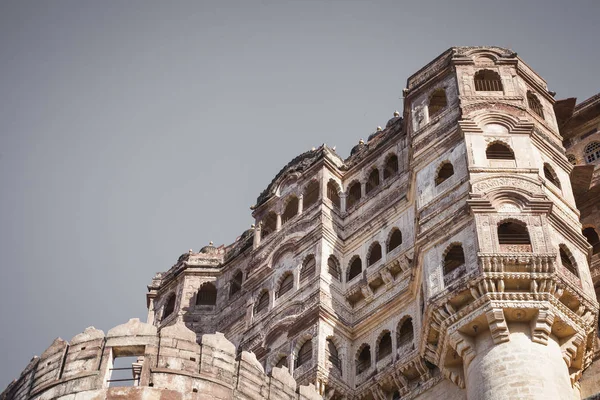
(170, 363)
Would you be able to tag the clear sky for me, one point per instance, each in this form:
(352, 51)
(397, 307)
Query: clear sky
(131, 131)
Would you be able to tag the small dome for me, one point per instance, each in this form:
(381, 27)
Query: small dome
(210, 249)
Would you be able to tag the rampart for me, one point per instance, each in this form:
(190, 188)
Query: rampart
(171, 365)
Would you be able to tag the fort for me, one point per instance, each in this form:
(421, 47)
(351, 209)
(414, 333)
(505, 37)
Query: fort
(453, 254)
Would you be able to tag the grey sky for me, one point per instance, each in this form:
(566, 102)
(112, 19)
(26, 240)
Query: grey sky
(132, 131)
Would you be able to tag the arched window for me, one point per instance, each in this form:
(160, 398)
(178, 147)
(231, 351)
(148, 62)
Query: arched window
(235, 285)
(572, 159)
(391, 167)
(333, 191)
(405, 333)
(354, 194)
(374, 254)
(535, 104)
(513, 237)
(355, 268)
(567, 260)
(551, 175)
(262, 303)
(373, 181)
(333, 267)
(207, 295)
(286, 285)
(385, 346)
(283, 362)
(304, 354)
(308, 269)
(395, 239)
(592, 152)
(291, 209)
(499, 151)
(454, 258)
(331, 354)
(363, 361)
(446, 171)
(488, 81)
(169, 306)
(269, 224)
(592, 237)
(311, 194)
(437, 102)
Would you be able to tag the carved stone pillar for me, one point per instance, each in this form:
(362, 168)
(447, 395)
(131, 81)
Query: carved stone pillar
(300, 204)
(278, 223)
(342, 202)
(150, 319)
(257, 237)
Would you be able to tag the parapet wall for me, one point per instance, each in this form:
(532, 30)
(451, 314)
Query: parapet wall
(173, 365)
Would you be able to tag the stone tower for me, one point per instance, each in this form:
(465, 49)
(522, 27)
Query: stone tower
(444, 258)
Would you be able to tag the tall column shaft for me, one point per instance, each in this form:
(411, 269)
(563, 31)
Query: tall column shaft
(518, 368)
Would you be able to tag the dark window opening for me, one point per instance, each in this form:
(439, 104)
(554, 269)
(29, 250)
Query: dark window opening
(592, 237)
(363, 362)
(311, 194)
(333, 268)
(395, 240)
(445, 172)
(373, 181)
(566, 261)
(236, 283)
(512, 233)
(437, 102)
(308, 269)
(405, 334)
(374, 254)
(332, 356)
(385, 346)
(354, 194)
(551, 175)
(455, 257)
(262, 303)
(269, 224)
(304, 354)
(355, 268)
(499, 151)
(286, 285)
(535, 104)
(391, 167)
(291, 210)
(207, 295)
(333, 194)
(170, 306)
(488, 81)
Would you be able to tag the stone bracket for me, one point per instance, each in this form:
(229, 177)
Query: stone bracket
(498, 326)
(541, 327)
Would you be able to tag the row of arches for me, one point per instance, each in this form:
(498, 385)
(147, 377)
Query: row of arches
(354, 191)
(355, 266)
(292, 207)
(305, 355)
(384, 345)
(512, 236)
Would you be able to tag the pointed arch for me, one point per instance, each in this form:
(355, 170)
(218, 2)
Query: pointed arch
(354, 194)
(310, 195)
(488, 81)
(285, 285)
(262, 302)
(454, 257)
(268, 224)
(384, 345)
(391, 166)
(235, 284)
(354, 268)
(374, 254)
(332, 355)
(372, 181)
(394, 239)
(207, 295)
(513, 236)
(437, 102)
(363, 358)
(304, 353)
(550, 175)
(169, 305)
(333, 267)
(567, 260)
(499, 151)
(333, 193)
(445, 170)
(309, 267)
(405, 333)
(534, 104)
